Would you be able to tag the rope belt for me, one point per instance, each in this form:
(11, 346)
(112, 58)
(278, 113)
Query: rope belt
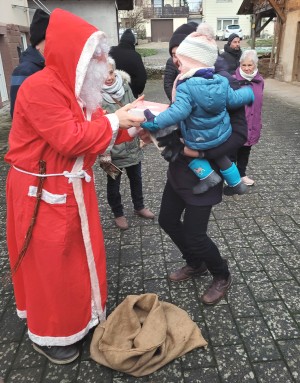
(69, 175)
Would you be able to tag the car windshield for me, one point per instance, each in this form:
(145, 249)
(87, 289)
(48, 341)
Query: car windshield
(233, 27)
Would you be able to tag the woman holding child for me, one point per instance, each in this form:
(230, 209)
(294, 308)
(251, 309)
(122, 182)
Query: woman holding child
(190, 234)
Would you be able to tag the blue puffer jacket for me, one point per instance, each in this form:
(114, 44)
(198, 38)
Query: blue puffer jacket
(201, 109)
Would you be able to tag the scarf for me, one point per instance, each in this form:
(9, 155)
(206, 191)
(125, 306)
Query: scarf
(198, 72)
(248, 77)
(207, 73)
(114, 91)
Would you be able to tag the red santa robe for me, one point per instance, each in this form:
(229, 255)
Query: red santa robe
(60, 286)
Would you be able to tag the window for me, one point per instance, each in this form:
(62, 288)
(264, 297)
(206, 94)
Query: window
(222, 23)
(24, 44)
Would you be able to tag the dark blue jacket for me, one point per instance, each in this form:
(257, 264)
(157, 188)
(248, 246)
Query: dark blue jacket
(31, 61)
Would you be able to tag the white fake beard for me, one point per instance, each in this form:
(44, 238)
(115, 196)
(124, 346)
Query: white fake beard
(95, 77)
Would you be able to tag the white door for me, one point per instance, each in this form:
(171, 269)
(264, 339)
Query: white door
(3, 90)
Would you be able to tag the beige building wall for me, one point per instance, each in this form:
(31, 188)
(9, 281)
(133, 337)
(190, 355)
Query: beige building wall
(179, 21)
(220, 9)
(288, 46)
(101, 13)
(14, 12)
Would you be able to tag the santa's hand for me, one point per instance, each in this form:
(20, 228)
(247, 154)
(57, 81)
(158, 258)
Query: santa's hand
(127, 120)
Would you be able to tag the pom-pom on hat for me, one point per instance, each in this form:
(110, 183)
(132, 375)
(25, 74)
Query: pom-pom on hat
(197, 50)
(38, 27)
(180, 34)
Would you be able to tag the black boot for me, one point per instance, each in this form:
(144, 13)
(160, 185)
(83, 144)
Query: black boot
(210, 181)
(240, 188)
(58, 354)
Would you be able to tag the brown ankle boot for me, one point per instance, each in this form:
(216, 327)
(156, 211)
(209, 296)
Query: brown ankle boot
(187, 272)
(122, 223)
(145, 213)
(216, 291)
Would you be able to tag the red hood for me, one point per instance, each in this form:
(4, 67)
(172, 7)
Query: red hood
(70, 45)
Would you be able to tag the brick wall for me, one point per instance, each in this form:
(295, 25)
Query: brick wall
(10, 39)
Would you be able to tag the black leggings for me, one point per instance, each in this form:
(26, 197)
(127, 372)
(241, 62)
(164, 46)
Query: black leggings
(190, 233)
(242, 159)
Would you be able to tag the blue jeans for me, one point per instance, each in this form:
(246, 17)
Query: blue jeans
(134, 174)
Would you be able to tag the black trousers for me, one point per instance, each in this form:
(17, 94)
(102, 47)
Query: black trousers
(190, 233)
(134, 174)
(242, 159)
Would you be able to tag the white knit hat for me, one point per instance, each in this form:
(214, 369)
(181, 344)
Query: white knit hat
(197, 50)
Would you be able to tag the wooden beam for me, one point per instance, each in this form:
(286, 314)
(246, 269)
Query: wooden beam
(277, 10)
(265, 24)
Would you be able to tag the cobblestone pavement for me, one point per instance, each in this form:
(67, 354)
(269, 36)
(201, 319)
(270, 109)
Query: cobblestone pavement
(253, 334)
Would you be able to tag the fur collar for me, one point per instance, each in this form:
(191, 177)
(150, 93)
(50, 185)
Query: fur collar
(125, 76)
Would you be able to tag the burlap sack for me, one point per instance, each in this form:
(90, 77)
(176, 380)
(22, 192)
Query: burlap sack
(143, 334)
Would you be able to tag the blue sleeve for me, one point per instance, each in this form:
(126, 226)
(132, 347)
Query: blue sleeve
(178, 111)
(239, 97)
(16, 82)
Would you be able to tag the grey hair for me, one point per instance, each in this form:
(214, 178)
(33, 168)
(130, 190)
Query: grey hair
(112, 62)
(249, 54)
(206, 30)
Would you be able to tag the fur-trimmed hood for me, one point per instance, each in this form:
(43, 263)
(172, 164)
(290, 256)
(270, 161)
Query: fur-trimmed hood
(125, 76)
(70, 45)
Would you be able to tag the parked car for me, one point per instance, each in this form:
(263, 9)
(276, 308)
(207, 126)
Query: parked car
(219, 34)
(233, 28)
(122, 30)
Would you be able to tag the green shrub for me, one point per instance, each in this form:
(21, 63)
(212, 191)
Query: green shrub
(144, 52)
(262, 42)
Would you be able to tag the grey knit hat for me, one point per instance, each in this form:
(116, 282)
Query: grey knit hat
(232, 37)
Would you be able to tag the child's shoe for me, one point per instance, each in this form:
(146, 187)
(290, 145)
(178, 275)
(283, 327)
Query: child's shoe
(234, 183)
(210, 181)
(240, 188)
(208, 177)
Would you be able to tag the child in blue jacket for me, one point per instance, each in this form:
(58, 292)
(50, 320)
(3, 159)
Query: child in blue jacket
(200, 109)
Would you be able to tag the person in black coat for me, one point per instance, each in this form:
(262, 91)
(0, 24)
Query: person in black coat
(32, 59)
(232, 53)
(130, 61)
(184, 216)
(171, 69)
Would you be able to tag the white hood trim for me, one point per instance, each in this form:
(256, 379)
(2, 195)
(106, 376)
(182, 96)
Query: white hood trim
(97, 38)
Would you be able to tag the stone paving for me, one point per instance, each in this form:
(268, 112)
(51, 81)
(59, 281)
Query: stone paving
(253, 335)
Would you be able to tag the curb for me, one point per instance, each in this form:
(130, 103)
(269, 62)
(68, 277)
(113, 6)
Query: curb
(155, 72)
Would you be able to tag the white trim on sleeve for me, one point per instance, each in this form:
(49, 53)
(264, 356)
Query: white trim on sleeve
(114, 123)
